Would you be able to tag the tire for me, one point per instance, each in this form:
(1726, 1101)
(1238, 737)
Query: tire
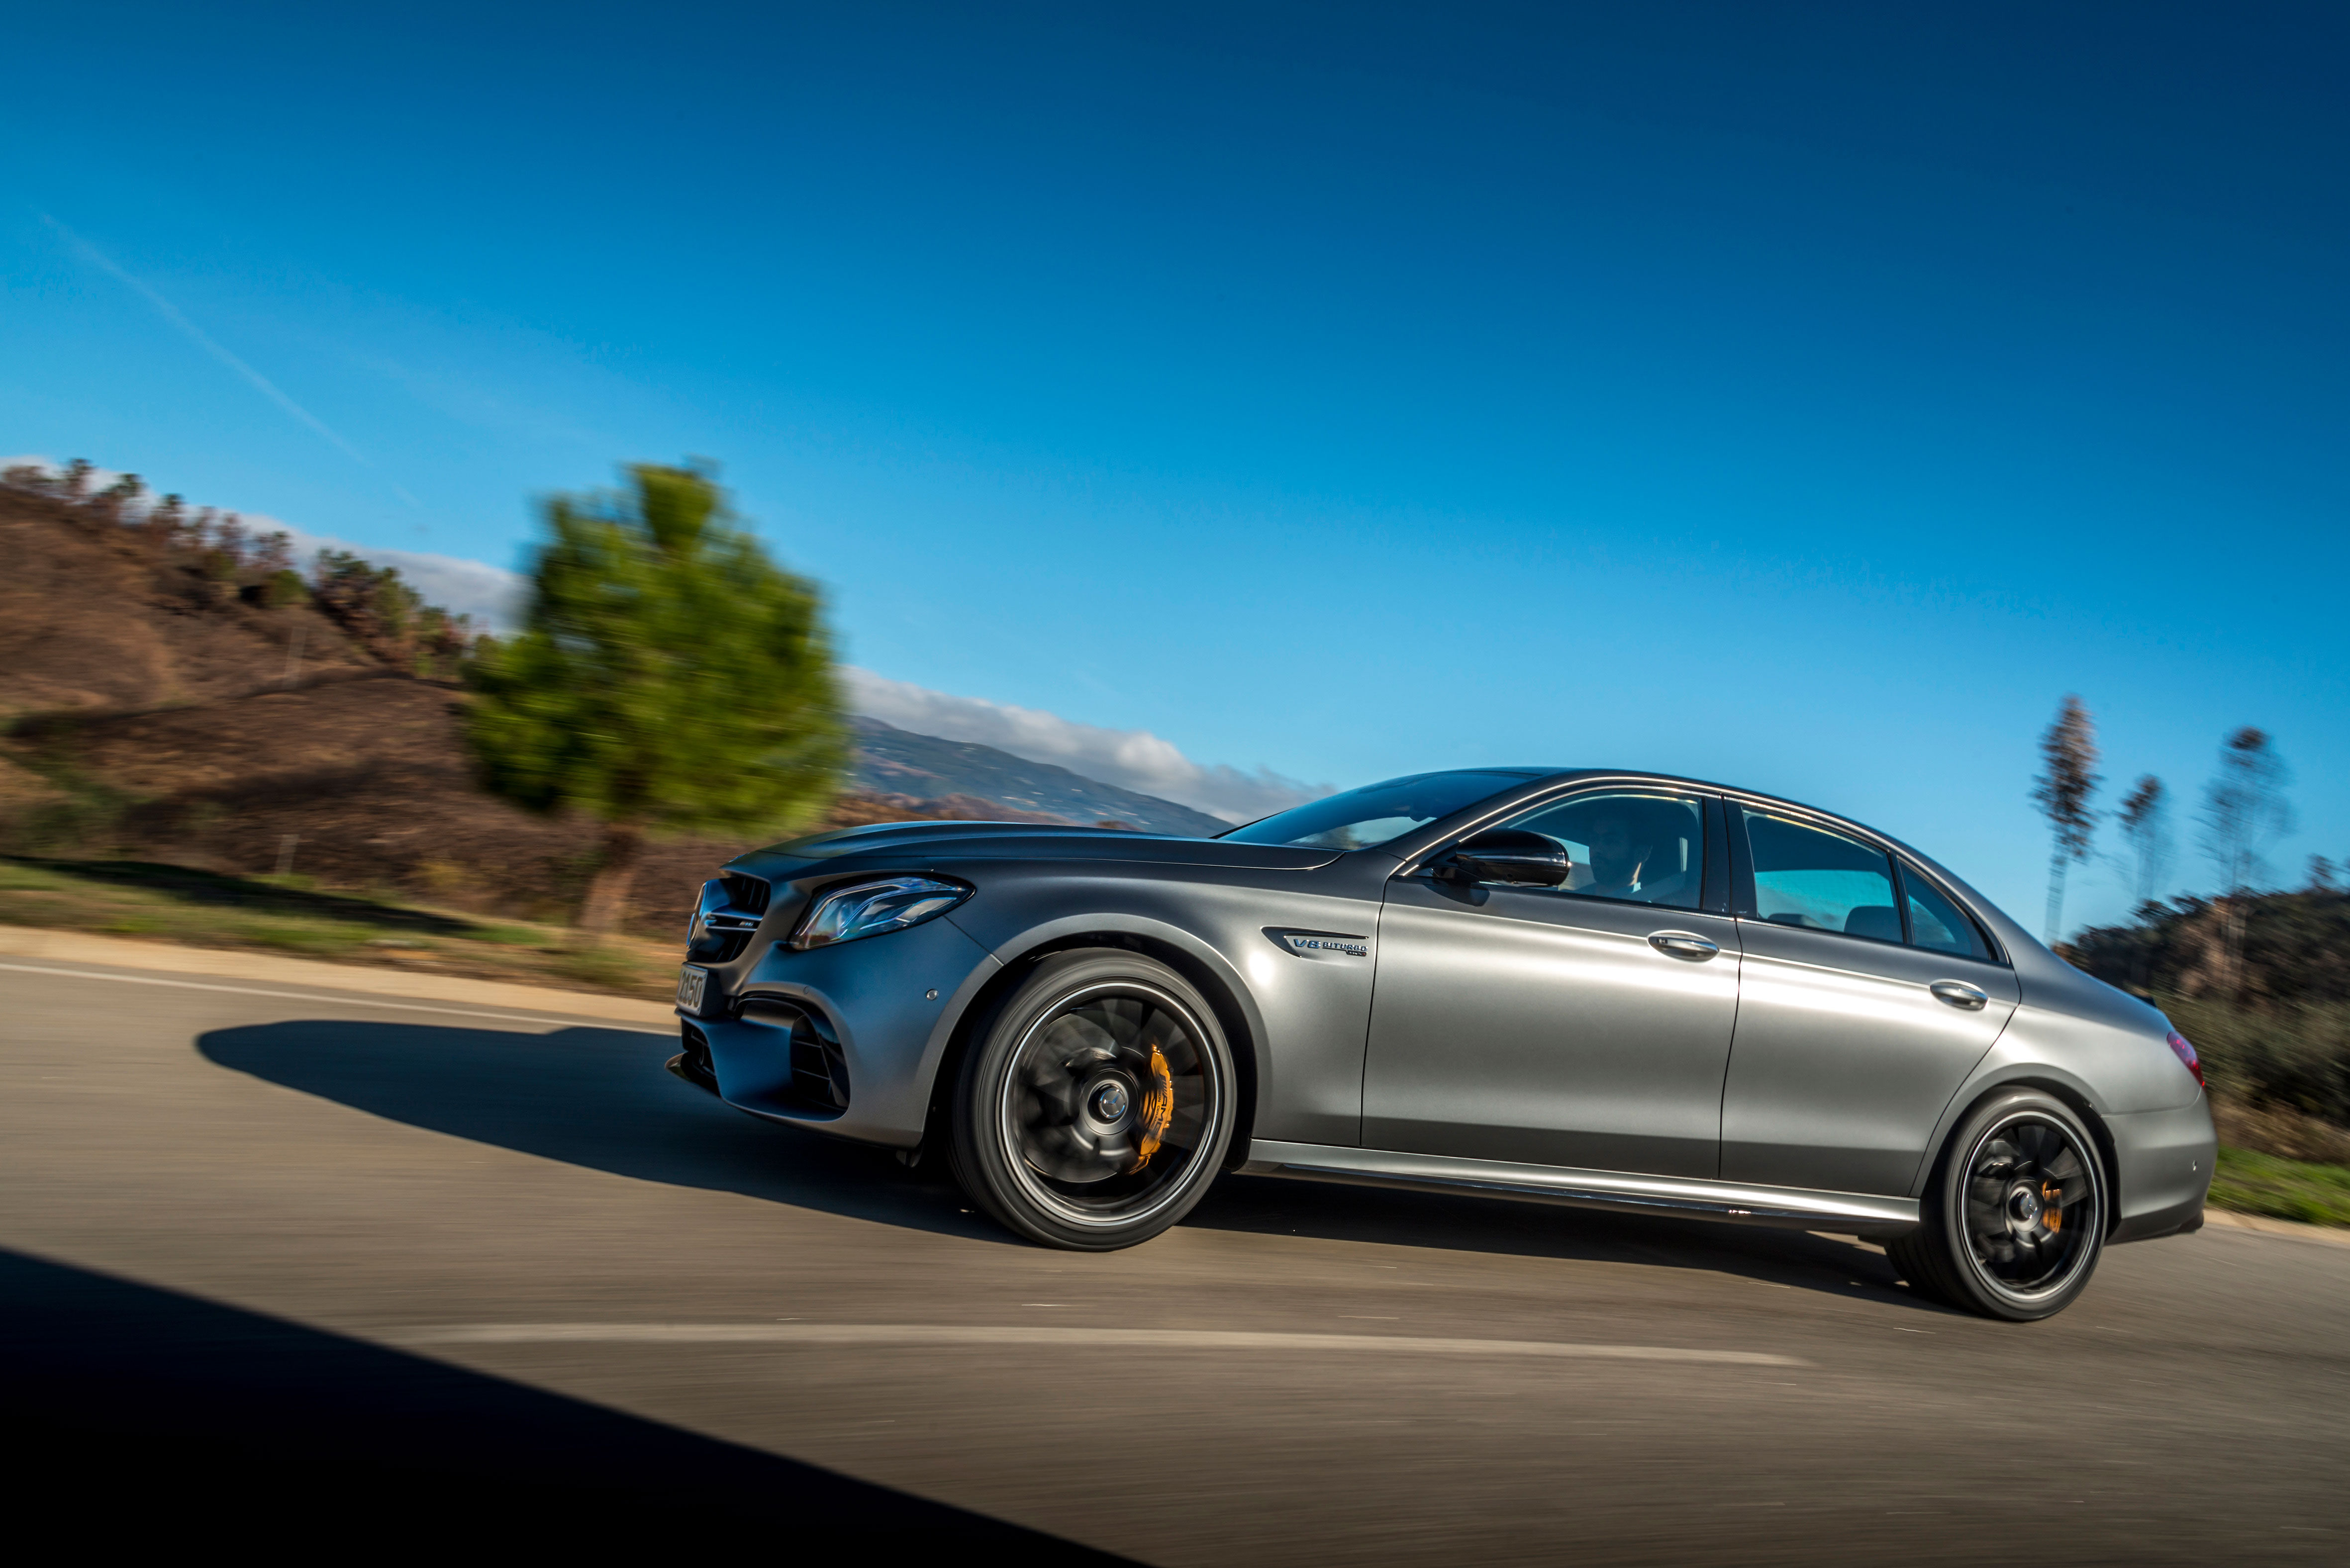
(2015, 1215)
(1094, 1110)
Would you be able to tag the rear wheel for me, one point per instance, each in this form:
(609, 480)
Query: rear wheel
(2014, 1217)
(1096, 1108)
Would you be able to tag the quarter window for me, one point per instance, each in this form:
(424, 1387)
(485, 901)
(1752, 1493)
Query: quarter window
(1642, 847)
(1935, 922)
(1821, 881)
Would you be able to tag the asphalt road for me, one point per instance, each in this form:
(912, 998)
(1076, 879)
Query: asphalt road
(278, 1266)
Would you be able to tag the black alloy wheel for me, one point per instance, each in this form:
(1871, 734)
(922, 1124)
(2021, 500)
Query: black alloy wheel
(1097, 1107)
(2014, 1219)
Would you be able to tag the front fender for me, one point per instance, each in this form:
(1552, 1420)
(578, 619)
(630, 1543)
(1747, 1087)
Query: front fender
(1306, 1018)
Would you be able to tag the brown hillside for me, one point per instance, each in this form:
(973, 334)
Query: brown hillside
(151, 717)
(92, 615)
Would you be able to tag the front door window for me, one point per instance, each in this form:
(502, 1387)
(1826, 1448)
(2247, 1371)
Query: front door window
(1636, 846)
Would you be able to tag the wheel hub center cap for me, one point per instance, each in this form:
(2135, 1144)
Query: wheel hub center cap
(1109, 1102)
(2023, 1206)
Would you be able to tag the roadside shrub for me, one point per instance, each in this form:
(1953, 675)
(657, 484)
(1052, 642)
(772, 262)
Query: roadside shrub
(2260, 983)
(2295, 1056)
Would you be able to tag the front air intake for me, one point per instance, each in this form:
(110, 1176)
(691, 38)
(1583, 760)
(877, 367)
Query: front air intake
(819, 1071)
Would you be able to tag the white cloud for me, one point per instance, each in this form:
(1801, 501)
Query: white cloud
(1132, 759)
(493, 595)
(210, 345)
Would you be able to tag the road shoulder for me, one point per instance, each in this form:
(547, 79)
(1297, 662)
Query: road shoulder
(34, 944)
(2228, 1219)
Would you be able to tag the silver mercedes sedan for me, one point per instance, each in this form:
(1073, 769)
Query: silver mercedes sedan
(1609, 989)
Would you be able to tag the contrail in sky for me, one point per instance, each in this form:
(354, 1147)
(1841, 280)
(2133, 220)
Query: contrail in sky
(204, 341)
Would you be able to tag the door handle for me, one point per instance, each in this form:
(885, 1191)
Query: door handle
(1682, 945)
(1959, 994)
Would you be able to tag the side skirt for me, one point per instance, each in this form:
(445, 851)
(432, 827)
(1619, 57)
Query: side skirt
(1858, 1213)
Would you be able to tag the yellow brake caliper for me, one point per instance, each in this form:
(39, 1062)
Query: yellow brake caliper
(2052, 1200)
(1157, 1109)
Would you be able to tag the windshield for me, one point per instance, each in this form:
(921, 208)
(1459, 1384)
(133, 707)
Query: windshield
(1361, 818)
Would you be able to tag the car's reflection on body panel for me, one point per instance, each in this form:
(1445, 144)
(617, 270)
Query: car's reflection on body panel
(1599, 989)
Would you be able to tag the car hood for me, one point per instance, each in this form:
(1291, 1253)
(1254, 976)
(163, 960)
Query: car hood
(940, 843)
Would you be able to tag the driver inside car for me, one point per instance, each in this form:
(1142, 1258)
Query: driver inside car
(1622, 849)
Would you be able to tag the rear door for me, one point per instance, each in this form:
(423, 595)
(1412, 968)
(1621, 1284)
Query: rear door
(1865, 998)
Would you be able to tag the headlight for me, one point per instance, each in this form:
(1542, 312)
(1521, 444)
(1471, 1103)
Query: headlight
(871, 908)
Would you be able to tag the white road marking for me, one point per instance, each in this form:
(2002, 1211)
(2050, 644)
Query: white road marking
(1107, 1338)
(354, 999)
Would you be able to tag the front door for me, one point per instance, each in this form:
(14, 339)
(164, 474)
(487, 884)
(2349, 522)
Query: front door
(1585, 1025)
(1863, 1008)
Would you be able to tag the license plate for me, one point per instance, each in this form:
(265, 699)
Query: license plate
(690, 981)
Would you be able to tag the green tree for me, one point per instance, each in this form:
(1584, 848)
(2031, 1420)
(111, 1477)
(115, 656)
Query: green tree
(2069, 777)
(667, 676)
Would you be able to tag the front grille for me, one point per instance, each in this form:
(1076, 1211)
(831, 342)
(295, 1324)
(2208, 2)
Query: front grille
(725, 929)
(748, 894)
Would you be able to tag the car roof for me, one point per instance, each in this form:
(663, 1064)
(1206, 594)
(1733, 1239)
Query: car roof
(1550, 777)
(1567, 774)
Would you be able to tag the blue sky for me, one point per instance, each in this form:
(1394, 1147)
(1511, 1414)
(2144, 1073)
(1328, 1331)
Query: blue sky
(1803, 396)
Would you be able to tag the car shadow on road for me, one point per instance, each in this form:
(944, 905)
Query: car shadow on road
(599, 1098)
(592, 1097)
(145, 1415)
(1276, 1205)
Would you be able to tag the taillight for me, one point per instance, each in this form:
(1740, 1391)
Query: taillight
(2186, 1053)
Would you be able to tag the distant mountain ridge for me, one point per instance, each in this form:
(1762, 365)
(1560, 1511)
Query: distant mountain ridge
(894, 762)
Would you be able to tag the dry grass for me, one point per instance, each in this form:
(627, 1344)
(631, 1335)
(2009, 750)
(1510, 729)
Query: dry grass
(197, 909)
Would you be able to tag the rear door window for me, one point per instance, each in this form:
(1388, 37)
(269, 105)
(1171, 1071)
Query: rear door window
(1935, 922)
(1821, 881)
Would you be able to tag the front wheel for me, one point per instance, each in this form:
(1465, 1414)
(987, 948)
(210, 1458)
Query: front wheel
(1096, 1108)
(2014, 1217)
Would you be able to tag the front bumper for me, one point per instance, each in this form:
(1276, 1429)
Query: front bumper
(888, 1002)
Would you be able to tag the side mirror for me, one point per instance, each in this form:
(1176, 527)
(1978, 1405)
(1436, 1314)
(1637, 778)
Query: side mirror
(1509, 855)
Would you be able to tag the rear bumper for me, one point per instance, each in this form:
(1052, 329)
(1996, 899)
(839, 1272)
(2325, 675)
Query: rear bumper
(2163, 1162)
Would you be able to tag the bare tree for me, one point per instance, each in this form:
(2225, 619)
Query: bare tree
(2068, 755)
(2146, 823)
(2245, 812)
(2244, 809)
